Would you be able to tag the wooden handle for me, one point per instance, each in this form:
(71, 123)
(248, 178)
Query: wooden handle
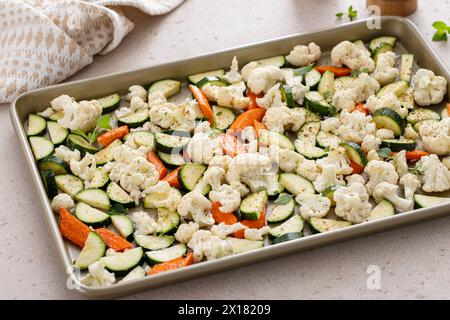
(395, 7)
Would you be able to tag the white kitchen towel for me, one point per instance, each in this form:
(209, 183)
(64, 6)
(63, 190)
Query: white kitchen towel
(43, 42)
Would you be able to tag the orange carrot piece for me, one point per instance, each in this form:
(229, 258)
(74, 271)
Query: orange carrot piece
(252, 104)
(246, 118)
(448, 109)
(219, 216)
(258, 126)
(415, 154)
(254, 224)
(172, 264)
(172, 178)
(360, 107)
(72, 229)
(153, 159)
(338, 72)
(112, 240)
(112, 135)
(203, 103)
(357, 168)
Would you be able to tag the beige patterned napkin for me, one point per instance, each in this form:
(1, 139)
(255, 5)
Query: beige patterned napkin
(45, 41)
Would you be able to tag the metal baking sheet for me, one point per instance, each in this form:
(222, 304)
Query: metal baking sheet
(37, 100)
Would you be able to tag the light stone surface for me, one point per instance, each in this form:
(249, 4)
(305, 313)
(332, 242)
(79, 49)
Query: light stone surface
(414, 260)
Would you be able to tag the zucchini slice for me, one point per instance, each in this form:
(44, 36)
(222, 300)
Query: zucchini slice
(422, 114)
(195, 78)
(327, 140)
(287, 237)
(94, 248)
(296, 184)
(381, 210)
(109, 103)
(407, 100)
(168, 143)
(123, 225)
(123, 262)
(91, 216)
(399, 145)
(267, 137)
(135, 274)
(96, 198)
(397, 88)
(164, 255)
(223, 117)
(389, 119)
(50, 183)
(277, 61)
(308, 150)
(105, 155)
(36, 125)
(312, 78)
(253, 205)
(142, 139)
(168, 221)
(171, 160)
(355, 153)
(190, 174)
(56, 132)
(69, 184)
(374, 43)
(360, 44)
(326, 85)
(100, 179)
(281, 212)
(329, 193)
(406, 67)
(54, 164)
(154, 242)
(382, 48)
(311, 116)
(41, 147)
(275, 188)
(75, 141)
(316, 103)
(320, 225)
(292, 225)
(134, 120)
(56, 116)
(117, 195)
(214, 81)
(422, 201)
(287, 95)
(166, 87)
(244, 245)
(308, 132)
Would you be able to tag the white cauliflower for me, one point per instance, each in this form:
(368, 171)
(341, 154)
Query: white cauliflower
(410, 133)
(174, 117)
(231, 96)
(62, 200)
(248, 139)
(77, 116)
(283, 118)
(229, 198)
(66, 154)
(399, 161)
(185, 231)
(298, 89)
(308, 169)
(330, 125)
(84, 169)
(370, 142)
(385, 71)
(390, 101)
(256, 234)
(355, 126)
(248, 69)
(327, 178)
(355, 178)
(213, 177)
(389, 191)
(136, 105)
(379, 171)
(137, 91)
(289, 160)
(161, 195)
(428, 88)
(143, 223)
(195, 206)
(410, 184)
(205, 244)
(337, 158)
(373, 155)
(435, 176)
(272, 99)
(98, 276)
(233, 75)
(446, 162)
(344, 100)
(436, 136)
(223, 230)
(204, 145)
(221, 161)
(346, 53)
(384, 134)
(303, 55)
(262, 79)
(126, 154)
(313, 205)
(352, 203)
(47, 113)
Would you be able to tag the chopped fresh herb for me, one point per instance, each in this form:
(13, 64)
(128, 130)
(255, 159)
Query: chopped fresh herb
(219, 113)
(418, 170)
(283, 198)
(356, 73)
(441, 31)
(102, 124)
(384, 153)
(339, 14)
(117, 209)
(352, 13)
(303, 70)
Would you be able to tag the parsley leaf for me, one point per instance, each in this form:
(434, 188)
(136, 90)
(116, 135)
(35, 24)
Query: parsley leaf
(418, 170)
(385, 153)
(283, 198)
(219, 113)
(117, 209)
(102, 124)
(352, 13)
(303, 70)
(441, 31)
(339, 14)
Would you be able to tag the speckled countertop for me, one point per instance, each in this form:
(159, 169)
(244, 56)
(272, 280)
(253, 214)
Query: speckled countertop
(414, 261)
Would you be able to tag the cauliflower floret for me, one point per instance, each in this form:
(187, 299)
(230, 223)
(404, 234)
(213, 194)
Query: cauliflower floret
(84, 169)
(143, 223)
(428, 88)
(313, 205)
(98, 276)
(125, 154)
(185, 231)
(308, 169)
(436, 136)
(77, 116)
(249, 140)
(283, 118)
(355, 126)
(327, 178)
(352, 203)
(137, 91)
(370, 142)
(410, 184)
(384, 134)
(47, 113)
(161, 195)
(173, 117)
(303, 55)
(136, 104)
(233, 75)
(222, 230)
(446, 162)
(220, 161)
(227, 197)
(410, 133)
(385, 71)
(289, 160)
(231, 96)
(399, 161)
(195, 206)
(330, 125)
(435, 176)
(355, 178)
(66, 154)
(372, 155)
(256, 234)
(379, 171)
(213, 176)
(344, 100)
(272, 99)
(148, 126)
(389, 191)
(337, 158)
(386, 101)
(298, 89)
(205, 244)
(204, 145)
(248, 69)
(346, 53)
(62, 200)
(262, 79)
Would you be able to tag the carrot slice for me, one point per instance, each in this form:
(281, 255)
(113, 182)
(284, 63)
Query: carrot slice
(203, 103)
(360, 107)
(112, 135)
(415, 154)
(258, 126)
(172, 178)
(338, 72)
(219, 216)
(448, 109)
(357, 168)
(172, 264)
(254, 224)
(154, 159)
(72, 229)
(252, 104)
(246, 118)
(112, 240)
